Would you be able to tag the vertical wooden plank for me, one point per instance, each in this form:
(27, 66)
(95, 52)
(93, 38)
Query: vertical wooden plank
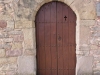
(65, 48)
(60, 38)
(72, 16)
(47, 12)
(72, 42)
(72, 72)
(53, 39)
(41, 49)
(53, 12)
(65, 39)
(65, 13)
(59, 12)
(72, 46)
(53, 49)
(39, 29)
(41, 14)
(47, 38)
(37, 43)
(47, 49)
(42, 72)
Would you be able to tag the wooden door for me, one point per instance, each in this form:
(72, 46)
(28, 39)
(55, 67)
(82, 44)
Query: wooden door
(55, 35)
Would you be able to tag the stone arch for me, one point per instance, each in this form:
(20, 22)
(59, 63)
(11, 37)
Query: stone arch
(72, 7)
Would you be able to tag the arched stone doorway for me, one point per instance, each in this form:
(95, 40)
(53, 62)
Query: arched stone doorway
(56, 43)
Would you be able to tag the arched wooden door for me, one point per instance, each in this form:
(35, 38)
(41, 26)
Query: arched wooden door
(55, 34)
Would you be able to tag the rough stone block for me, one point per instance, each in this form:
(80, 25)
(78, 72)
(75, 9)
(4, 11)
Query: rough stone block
(85, 53)
(95, 28)
(17, 45)
(18, 38)
(7, 29)
(3, 61)
(84, 65)
(15, 32)
(10, 24)
(12, 60)
(3, 24)
(9, 67)
(98, 66)
(8, 40)
(17, 35)
(1, 35)
(95, 34)
(6, 17)
(13, 53)
(97, 73)
(84, 47)
(30, 52)
(4, 35)
(1, 43)
(23, 24)
(6, 46)
(11, 73)
(5, 67)
(97, 58)
(95, 53)
(2, 73)
(94, 47)
(94, 40)
(27, 65)
(2, 53)
(13, 67)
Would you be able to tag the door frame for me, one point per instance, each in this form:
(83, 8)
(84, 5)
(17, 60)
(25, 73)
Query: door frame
(77, 24)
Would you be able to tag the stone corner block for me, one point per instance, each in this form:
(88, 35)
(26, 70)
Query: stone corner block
(26, 65)
(84, 65)
(29, 38)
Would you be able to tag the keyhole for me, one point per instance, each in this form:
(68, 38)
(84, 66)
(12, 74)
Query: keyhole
(59, 38)
(65, 18)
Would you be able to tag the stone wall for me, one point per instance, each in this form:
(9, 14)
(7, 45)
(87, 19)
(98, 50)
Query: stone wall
(17, 36)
